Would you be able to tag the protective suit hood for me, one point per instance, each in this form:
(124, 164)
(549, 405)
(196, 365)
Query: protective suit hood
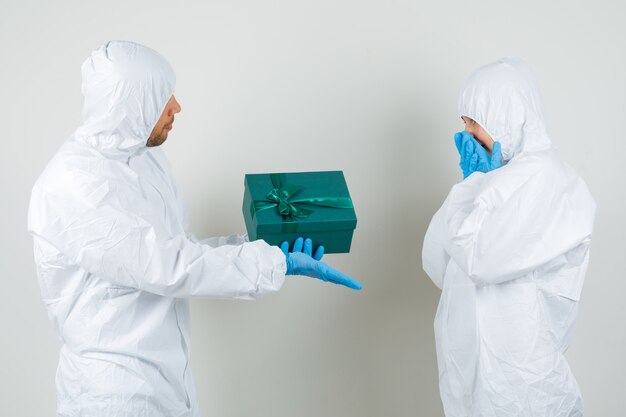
(125, 87)
(504, 98)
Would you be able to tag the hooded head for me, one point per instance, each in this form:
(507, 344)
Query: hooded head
(126, 87)
(504, 99)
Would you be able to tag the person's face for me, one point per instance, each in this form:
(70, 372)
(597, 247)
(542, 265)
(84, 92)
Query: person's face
(479, 133)
(164, 124)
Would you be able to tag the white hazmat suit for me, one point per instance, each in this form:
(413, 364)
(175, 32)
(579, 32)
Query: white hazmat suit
(509, 250)
(114, 258)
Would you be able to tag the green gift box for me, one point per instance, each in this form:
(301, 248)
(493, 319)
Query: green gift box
(282, 207)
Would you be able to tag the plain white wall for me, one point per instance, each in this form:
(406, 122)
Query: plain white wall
(369, 87)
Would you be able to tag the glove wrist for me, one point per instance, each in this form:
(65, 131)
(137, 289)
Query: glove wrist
(290, 264)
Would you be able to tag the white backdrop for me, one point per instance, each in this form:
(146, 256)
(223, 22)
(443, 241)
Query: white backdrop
(369, 87)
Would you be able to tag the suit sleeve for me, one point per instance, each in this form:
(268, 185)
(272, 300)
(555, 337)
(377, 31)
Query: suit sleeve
(434, 256)
(500, 227)
(125, 248)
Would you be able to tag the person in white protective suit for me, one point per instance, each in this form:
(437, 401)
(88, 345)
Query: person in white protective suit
(114, 259)
(509, 249)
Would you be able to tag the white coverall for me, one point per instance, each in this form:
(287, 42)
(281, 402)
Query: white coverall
(509, 250)
(115, 261)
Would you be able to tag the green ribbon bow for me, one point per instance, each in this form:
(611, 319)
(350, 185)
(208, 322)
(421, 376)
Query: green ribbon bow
(291, 209)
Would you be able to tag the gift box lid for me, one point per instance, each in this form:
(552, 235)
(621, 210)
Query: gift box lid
(308, 189)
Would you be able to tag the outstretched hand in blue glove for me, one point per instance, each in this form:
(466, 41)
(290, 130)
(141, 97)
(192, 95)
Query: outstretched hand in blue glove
(302, 261)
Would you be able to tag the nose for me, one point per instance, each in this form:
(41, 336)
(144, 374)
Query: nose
(176, 105)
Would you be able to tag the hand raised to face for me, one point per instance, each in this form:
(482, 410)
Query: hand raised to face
(474, 157)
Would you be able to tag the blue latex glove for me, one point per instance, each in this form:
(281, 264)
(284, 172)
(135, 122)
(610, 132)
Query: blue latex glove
(466, 145)
(474, 157)
(488, 163)
(302, 261)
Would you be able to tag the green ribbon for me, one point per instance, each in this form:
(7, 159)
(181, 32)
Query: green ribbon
(282, 194)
